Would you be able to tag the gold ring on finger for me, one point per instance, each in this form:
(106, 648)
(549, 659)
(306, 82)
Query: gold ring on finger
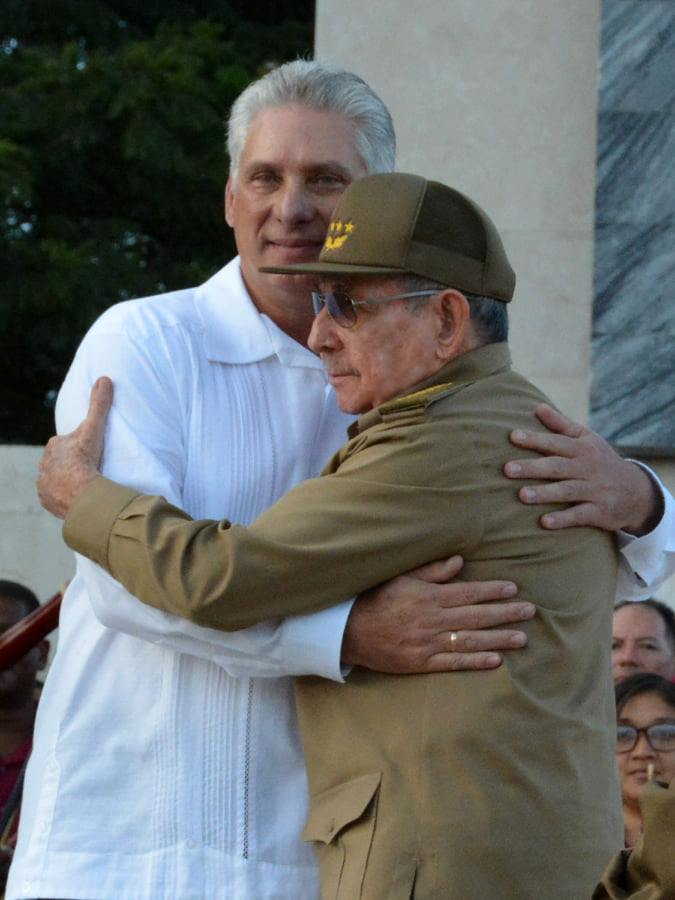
(453, 640)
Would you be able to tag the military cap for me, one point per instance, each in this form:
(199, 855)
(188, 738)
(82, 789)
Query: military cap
(400, 224)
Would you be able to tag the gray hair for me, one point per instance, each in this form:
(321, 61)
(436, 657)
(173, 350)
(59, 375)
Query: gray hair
(488, 316)
(317, 86)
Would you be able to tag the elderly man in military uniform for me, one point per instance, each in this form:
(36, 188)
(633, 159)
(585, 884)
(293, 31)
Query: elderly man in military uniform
(481, 785)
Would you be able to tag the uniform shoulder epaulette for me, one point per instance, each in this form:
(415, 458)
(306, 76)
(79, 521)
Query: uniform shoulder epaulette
(417, 401)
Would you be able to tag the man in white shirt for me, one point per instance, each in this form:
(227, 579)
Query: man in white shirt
(167, 763)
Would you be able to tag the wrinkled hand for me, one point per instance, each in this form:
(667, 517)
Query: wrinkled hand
(70, 462)
(406, 625)
(607, 491)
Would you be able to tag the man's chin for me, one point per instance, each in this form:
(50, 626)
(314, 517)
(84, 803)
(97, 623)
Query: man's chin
(298, 287)
(350, 405)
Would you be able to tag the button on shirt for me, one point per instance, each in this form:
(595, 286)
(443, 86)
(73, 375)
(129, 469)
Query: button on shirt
(167, 762)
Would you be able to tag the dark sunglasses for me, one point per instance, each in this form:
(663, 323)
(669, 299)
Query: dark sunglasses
(342, 308)
(659, 737)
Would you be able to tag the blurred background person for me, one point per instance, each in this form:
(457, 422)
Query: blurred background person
(18, 703)
(643, 639)
(645, 744)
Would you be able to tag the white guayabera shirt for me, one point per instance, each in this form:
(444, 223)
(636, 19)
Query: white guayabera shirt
(165, 774)
(167, 764)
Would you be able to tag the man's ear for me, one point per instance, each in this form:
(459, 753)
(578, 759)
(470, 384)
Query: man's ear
(229, 202)
(454, 324)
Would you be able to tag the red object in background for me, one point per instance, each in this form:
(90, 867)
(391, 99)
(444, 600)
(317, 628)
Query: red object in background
(22, 637)
(11, 768)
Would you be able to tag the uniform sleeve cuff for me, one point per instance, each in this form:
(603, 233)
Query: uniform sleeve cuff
(91, 518)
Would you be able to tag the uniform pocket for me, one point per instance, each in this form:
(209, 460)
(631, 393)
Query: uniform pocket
(341, 822)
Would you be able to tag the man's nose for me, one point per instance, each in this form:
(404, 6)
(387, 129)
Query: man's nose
(324, 334)
(294, 204)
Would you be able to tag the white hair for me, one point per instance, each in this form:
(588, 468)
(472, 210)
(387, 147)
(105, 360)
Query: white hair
(318, 86)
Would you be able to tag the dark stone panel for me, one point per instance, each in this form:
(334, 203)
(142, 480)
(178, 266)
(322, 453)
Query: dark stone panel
(633, 370)
(637, 43)
(636, 154)
(634, 275)
(634, 405)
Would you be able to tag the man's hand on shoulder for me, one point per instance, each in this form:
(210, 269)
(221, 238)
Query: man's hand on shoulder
(70, 462)
(425, 622)
(606, 491)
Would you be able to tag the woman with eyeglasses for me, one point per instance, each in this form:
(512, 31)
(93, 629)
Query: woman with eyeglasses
(645, 746)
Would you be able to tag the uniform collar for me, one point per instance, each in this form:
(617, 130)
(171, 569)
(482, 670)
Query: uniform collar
(236, 332)
(465, 369)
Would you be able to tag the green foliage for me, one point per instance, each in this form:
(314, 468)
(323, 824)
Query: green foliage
(112, 166)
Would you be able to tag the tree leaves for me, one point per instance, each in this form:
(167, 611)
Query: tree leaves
(112, 166)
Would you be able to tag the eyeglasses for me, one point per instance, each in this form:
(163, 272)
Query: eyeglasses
(660, 737)
(342, 308)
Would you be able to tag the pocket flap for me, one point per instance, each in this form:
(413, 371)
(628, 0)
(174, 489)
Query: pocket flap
(331, 810)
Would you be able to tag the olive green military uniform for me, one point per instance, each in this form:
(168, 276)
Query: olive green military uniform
(474, 785)
(648, 872)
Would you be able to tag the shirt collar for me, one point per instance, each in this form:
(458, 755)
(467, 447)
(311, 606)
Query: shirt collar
(464, 369)
(236, 332)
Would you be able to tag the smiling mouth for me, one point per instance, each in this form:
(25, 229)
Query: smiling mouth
(296, 249)
(297, 242)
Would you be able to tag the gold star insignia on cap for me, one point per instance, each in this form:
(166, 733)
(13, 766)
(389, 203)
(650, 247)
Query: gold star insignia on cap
(334, 243)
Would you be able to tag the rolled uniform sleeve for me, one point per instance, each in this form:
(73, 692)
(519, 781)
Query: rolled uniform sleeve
(373, 516)
(98, 507)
